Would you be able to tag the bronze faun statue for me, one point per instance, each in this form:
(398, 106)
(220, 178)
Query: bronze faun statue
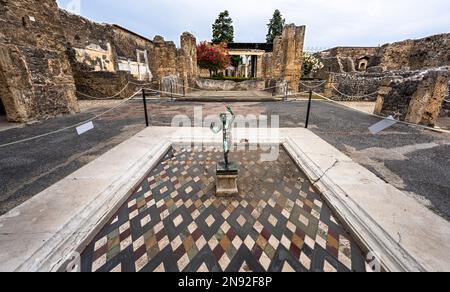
(227, 120)
(227, 172)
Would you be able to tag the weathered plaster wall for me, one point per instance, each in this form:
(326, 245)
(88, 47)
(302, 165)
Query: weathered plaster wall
(92, 44)
(35, 74)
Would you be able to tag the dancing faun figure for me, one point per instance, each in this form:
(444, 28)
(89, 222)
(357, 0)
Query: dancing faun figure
(227, 120)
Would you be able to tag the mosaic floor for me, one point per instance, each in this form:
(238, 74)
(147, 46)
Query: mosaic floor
(173, 222)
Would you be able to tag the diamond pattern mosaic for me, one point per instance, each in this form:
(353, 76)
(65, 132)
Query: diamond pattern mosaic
(173, 222)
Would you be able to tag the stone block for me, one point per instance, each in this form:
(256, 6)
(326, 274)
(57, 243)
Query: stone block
(227, 180)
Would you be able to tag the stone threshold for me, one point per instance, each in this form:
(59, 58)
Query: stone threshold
(44, 233)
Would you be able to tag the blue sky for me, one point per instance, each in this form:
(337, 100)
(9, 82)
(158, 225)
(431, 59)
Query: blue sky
(329, 22)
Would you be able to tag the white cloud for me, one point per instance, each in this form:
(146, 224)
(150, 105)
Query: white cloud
(329, 23)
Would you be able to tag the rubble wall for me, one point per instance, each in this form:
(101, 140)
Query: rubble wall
(35, 72)
(433, 51)
(417, 99)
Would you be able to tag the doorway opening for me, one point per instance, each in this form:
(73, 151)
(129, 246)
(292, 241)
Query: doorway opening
(2, 111)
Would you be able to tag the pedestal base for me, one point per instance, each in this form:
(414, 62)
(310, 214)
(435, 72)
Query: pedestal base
(226, 180)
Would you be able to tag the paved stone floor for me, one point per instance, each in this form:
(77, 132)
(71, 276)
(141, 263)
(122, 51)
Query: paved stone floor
(173, 221)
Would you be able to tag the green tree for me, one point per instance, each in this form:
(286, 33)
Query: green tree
(275, 26)
(223, 30)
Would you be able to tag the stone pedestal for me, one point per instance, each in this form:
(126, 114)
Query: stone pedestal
(226, 180)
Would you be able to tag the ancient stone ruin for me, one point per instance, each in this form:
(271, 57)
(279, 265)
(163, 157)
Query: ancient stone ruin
(49, 58)
(408, 79)
(416, 99)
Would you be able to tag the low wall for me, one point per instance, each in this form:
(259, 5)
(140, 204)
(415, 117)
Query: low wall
(316, 85)
(172, 84)
(104, 84)
(226, 85)
(357, 87)
(363, 86)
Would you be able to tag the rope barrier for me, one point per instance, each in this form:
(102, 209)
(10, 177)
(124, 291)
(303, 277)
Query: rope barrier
(197, 89)
(312, 87)
(354, 96)
(115, 95)
(163, 92)
(381, 117)
(181, 95)
(72, 126)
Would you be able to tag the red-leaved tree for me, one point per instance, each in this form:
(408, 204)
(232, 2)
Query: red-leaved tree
(212, 57)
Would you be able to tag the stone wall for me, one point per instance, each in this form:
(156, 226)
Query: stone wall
(90, 41)
(98, 85)
(188, 60)
(35, 75)
(416, 99)
(342, 60)
(105, 48)
(224, 85)
(358, 86)
(172, 86)
(433, 51)
(350, 52)
(285, 62)
(430, 52)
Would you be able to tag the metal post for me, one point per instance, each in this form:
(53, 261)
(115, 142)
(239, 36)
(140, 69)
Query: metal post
(144, 99)
(309, 109)
(171, 91)
(286, 90)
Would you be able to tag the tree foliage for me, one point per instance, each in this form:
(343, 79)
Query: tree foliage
(212, 57)
(223, 30)
(275, 26)
(236, 61)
